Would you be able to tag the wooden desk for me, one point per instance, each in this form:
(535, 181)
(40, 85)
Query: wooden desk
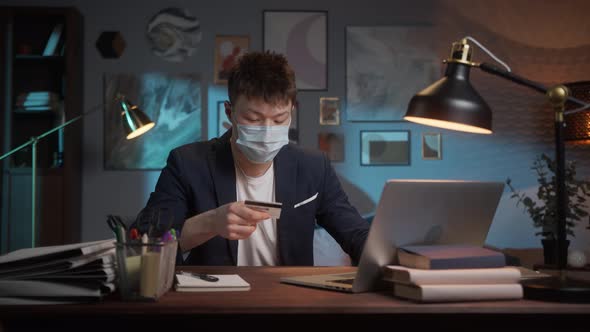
(269, 302)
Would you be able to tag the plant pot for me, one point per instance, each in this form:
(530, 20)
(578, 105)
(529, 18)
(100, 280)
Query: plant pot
(550, 251)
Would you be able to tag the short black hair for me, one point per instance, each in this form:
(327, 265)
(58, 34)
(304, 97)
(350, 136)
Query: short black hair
(265, 75)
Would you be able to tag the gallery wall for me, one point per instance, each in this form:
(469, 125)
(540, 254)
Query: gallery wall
(524, 34)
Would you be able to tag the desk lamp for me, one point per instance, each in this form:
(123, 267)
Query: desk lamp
(135, 123)
(453, 103)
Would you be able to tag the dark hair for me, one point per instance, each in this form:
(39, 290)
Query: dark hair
(265, 75)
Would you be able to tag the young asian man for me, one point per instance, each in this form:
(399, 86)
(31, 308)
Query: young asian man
(205, 184)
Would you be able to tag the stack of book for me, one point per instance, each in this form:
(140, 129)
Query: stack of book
(448, 273)
(37, 101)
(80, 272)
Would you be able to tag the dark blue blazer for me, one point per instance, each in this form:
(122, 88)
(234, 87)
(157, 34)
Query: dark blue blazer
(200, 176)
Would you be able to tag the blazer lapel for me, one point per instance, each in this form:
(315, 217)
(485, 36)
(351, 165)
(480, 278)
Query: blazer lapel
(221, 163)
(285, 188)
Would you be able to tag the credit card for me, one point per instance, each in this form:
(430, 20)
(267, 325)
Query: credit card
(272, 208)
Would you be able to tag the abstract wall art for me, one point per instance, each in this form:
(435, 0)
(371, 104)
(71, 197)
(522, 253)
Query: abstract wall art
(385, 67)
(228, 50)
(329, 111)
(333, 145)
(173, 102)
(174, 34)
(431, 146)
(379, 148)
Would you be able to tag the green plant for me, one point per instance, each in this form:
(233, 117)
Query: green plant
(543, 212)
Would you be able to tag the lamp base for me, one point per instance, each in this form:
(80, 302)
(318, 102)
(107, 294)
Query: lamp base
(556, 289)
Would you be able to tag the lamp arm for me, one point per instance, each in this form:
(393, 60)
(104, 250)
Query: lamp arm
(51, 131)
(491, 69)
(558, 96)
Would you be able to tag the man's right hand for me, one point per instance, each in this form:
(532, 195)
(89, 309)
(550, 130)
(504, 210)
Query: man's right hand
(236, 221)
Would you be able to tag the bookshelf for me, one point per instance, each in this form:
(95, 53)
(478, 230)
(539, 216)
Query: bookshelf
(41, 86)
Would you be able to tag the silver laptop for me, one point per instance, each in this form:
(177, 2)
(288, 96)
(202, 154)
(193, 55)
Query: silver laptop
(416, 212)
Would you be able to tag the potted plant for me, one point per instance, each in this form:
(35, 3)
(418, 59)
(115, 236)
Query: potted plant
(543, 211)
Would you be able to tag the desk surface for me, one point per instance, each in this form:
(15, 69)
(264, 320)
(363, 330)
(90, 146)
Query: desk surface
(269, 296)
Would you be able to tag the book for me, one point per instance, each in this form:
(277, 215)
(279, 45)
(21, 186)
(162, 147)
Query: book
(449, 257)
(43, 288)
(53, 40)
(405, 275)
(78, 272)
(25, 259)
(454, 293)
(225, 282)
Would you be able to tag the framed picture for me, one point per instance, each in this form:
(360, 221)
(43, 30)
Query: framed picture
(329, 111)
(223, 123)
(332, 144)
(174, 34)
(385, 67)
(431, 146)
(385, 147)
(172, 101)
(228, 49)
(302, 37)
(294, 127)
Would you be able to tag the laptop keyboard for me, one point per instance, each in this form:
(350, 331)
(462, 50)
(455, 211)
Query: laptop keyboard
(343, 281)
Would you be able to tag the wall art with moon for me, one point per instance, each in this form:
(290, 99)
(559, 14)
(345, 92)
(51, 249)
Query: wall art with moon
(302, 37)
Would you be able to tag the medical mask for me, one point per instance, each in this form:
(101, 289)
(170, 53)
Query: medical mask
(260, 144)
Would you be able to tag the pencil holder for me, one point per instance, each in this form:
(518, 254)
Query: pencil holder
(145, 270)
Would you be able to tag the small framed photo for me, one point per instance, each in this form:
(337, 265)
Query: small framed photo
(302, 37)
(333, 145)
(329, 111)
(294, 127)
(228, 49)
(431, 146)
(223, 123)
(379, 148)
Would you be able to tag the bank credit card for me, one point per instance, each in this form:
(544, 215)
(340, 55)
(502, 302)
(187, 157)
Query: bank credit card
(272, 208)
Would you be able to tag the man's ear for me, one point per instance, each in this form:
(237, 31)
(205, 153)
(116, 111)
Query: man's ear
(227, 110)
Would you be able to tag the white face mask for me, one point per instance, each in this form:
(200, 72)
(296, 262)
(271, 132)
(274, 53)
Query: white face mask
(260, 144)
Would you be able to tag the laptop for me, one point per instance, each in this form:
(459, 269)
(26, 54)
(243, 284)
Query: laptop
(416, 212)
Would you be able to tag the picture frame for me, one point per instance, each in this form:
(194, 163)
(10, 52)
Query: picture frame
(172, 101)
(228, 50)
(431, 146)
(385, 67)
(385, 147)
(223, 123)
(333, 145)
(329, 111)
(302, 37)
(294, 126)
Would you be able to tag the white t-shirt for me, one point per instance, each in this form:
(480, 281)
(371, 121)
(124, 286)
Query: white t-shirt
(261, 247)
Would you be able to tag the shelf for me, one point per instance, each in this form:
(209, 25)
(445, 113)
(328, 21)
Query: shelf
(40, 171)
(29, 57)
(43, 113)
(26, 33)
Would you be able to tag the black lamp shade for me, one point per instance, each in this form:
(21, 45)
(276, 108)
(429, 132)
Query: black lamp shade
(451, 103)
(135, 121)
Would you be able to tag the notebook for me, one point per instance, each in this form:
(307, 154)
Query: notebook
(225, 282)
(412, 212)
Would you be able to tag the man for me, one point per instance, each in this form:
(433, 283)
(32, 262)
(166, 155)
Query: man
(205, 184)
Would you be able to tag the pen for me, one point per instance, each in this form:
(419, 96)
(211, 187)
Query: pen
(202, 276)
